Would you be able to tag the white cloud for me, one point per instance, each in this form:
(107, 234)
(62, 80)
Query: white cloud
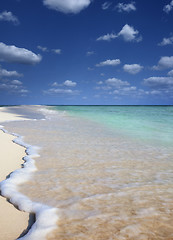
(89, 53)
(164, 63)
(132, 68)
(106, 88)
(126, 7)
(67, 6)
(170, 73)
(167, 8)
(113, 62)
(57, 51)
(166, 41)
(23, 91)
(61, 91)
(14, 86)
(55, 84)
(155, 92)
(69, 83)
(99, 82)
(9, 17)
(6, 73)
(129, 34)
(127, 89)
(107, 37)
(159, 82)
(16, 82)
(90, 69)
(13, 54)
(43, 49)
(116, 82)
(106, 5)
(115, 86)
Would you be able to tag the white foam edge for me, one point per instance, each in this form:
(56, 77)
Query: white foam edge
(48, 112)
(46, 216)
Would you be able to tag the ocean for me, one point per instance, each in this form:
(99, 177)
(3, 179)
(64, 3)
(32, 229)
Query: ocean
(95, 172)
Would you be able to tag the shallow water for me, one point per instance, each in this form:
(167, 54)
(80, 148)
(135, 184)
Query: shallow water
(107, 182)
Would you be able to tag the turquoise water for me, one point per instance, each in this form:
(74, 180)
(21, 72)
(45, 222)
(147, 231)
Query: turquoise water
(106, 170)
(148, 123)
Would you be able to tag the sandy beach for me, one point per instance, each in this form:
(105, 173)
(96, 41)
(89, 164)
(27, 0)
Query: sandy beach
(12, 222)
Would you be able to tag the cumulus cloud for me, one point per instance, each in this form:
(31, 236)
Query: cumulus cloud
(127, 89)
(23, 91)
(90, 69)
(14, 86)
(106, 5)
(16, 82)
(70, 83)
(115, 82)
(113, 62)
(67, 83)
(155, 92)
(114, 86)
(61, 91)
(13, 54)
(67, 6)
(167, 8)
(55, 84)
(99, 82)
(89, 53)
(56, 51)
(159, 82)
(6, 73)
(166, 41)
(107, 37)
(164, 63)
(43, 49)
(9, 17)
(105, 88)
(128, 33)
(123, 7)
(170, 73)
(132, 68)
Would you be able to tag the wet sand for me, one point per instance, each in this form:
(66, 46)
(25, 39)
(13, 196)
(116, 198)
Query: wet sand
(12, 222)
(104, 185)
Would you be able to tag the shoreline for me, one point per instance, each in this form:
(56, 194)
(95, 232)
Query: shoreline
(37, 228)
(14, 223)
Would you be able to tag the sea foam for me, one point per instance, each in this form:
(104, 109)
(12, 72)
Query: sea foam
(46, 216)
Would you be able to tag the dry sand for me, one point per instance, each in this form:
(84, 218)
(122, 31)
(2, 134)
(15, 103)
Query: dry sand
(12, 221)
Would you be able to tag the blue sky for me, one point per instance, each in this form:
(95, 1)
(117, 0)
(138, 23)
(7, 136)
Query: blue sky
(86, 52)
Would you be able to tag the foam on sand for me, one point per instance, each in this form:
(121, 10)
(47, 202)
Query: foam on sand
(46, 216)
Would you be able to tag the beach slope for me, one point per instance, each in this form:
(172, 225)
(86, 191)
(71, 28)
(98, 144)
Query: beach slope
(12, 221)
